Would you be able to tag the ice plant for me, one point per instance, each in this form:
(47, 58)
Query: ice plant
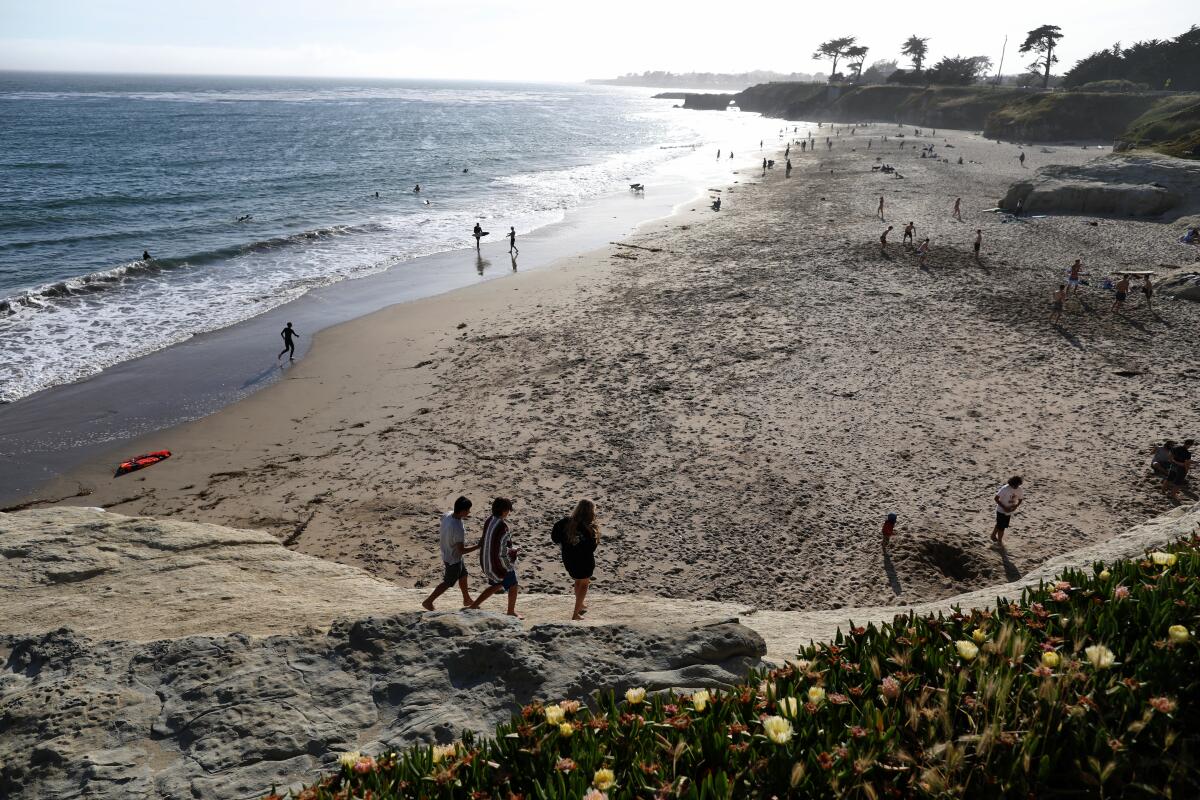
(1163, 559)
(778, 729)
(349, 759)
(700, 700)
(979, 635)
(635, 696)
(594, 794)
(1104, 575)
(1050, 659)
(1178, 634)
(1100, 656)
(364, 764)
(604, 779)
(566, 730)
(967, 650)
(554, 714)
(443, 751)
(569, 706)
(890, 687)
(1120, 593)
(816, 695)
(788, 706)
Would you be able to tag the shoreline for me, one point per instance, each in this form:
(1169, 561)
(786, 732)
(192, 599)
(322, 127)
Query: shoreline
(51, 432)
(744, 400)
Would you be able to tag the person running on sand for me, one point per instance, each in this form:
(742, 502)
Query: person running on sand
(512, 241)
(910, 230)
(1181, 462)
(454, 546)
(289, 346)
(497, 556)
(1056, 306)
(978, 242)
(578, 535)
(1122, 289)
(879, 211)
(1008, 499)
(883, 240)
(923, 251)
(957, 213)
(1075, 276)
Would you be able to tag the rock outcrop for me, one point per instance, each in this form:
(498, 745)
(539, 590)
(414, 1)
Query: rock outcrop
(1120, 185)
(229, 716)
(1184, 285)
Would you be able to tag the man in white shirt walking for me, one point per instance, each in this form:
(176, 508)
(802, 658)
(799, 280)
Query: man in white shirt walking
(454, 545)
(1008, 499)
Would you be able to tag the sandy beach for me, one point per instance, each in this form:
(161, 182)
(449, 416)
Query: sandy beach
(745, 395)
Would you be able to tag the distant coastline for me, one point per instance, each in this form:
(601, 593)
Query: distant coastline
(706, 81)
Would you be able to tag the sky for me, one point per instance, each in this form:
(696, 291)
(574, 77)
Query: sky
(547, 40)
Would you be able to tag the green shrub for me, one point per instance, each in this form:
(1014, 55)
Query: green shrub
(1111, 86)
(1082, 688)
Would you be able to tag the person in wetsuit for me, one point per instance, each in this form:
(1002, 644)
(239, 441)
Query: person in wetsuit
(289, 346)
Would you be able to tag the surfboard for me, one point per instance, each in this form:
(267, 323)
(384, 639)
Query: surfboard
(141, 462)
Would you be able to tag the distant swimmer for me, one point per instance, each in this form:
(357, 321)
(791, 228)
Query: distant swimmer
(145, 255)
(465, 170)
(426, 202)
(512, 241)
(377, 194)
(417, 189)
(248, 217)
(289, 346)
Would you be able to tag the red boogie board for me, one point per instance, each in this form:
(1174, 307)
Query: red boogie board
(141, 462)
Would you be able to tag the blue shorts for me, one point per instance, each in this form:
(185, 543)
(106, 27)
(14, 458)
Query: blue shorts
(510, 580)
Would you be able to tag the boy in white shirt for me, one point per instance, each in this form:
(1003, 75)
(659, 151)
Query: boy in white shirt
(453, 545)
(1008, 498)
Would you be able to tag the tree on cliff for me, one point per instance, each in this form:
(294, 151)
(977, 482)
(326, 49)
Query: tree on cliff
(917, 49)
(834, 49)
(1173, 64)
(1042, 41)
(855, 56)
(959, 70)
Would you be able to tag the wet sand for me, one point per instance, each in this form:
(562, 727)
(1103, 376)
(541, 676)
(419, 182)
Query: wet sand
(745, 395)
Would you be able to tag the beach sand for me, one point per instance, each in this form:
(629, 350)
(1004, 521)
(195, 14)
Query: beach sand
(745, 395)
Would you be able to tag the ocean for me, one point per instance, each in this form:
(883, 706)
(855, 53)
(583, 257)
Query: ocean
(250, 192)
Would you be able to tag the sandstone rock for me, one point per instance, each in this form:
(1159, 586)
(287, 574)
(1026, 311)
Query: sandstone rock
(1120, 185)
(1184, 285)
(228, 716)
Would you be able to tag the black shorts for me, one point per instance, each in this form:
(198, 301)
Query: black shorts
(453, 573)
(1002, 520)
(977, 247)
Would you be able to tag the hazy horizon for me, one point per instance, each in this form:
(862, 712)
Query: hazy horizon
(537, 41)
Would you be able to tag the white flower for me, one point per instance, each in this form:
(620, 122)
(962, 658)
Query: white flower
(1163, 559)
(443, 751)
(700, 700)
(1050, 659)
(778, 729)
(816, 695)
(349, 759)
(788, 706)
(967, 650)
(604, 779)
(635, 696)
(1100, 656)
(554, 714)
(1178, 634)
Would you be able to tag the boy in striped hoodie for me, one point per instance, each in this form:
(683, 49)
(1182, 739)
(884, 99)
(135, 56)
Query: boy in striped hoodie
(497, 557)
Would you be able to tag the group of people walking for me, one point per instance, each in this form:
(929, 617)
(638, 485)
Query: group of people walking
(576, 535)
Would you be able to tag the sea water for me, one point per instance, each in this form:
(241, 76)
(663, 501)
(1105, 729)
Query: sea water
(94, 169)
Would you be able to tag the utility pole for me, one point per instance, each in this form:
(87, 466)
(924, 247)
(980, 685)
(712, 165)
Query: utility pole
(1000, 69)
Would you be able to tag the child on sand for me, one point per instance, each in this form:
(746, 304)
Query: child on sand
(496, 557)
(889, 529)
(1008, 499)
(910, 230)
(923, 251)
(883, 240)
(880, 210)
(957, 213)
(453, 541)
(1122, 292)
(1075, 276)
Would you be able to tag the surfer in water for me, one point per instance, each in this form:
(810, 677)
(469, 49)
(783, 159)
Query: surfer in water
(289, 346)
(145, 255)
(478, 233)
(512, 241)
(417, 189)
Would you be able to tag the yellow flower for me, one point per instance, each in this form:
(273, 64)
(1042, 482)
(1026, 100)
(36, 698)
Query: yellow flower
(635, 696)
(788, 706)
(349, 759)
(778, 729)
(1050, 659)
(554, 714)
(1100, 656)
(566, 730)
(1178, 633)
(700, 700)
(967, 650)
(1163, 559)
(816, 695)
(604, 779)
(979, 636)
(1104, 575)
(443, 751)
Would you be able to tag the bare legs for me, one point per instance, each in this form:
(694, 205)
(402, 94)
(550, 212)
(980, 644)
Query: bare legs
(427, 604)
(581, 588)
